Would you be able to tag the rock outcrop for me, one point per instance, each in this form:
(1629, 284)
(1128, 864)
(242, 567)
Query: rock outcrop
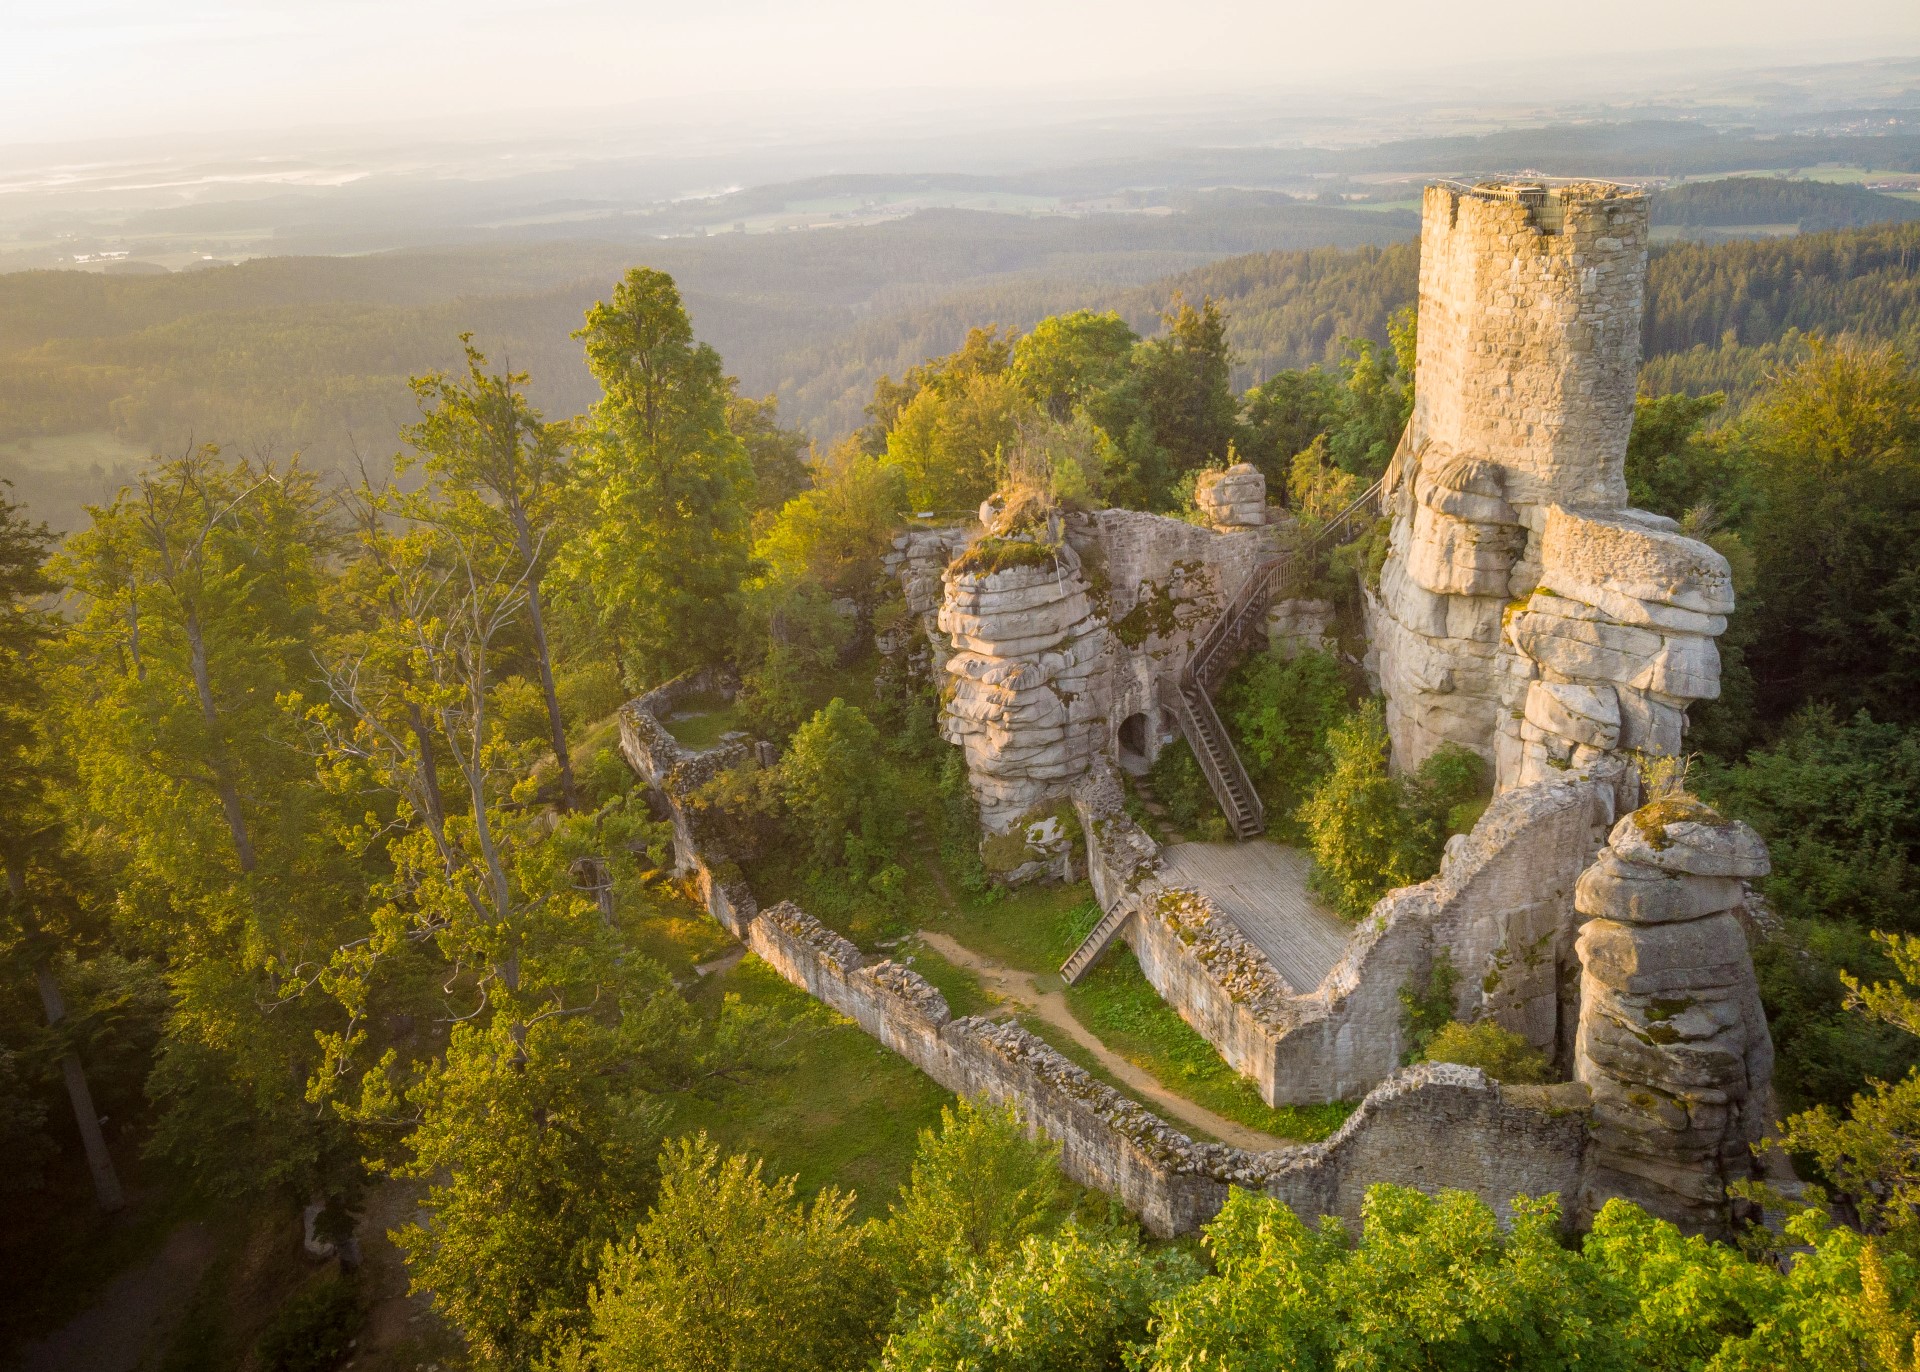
(1232, 499)
(1047, 641)
(1024, 693)
(1672, 1039)
(1524, 611)
(1612, 647)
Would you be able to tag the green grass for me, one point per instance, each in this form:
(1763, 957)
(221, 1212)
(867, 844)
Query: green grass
(665, 925)
(848, 1112)
(1118, 1004)
(1032, 928)
(706, 718)
(965, 995)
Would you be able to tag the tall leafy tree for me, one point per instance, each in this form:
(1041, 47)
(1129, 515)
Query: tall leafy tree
(778, 455)
(499, 474)
(1836, 464)
(537, 1125)
(1068, 358)
(39, 906)
(1184, 387)
(665, 543)
(730, 1273)
(197, 593)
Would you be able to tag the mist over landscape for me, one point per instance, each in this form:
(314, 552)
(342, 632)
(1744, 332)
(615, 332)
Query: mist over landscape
(827, 255)
(798, 688)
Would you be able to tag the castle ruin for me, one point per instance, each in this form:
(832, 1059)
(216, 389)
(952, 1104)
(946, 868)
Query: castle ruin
(1523, 611)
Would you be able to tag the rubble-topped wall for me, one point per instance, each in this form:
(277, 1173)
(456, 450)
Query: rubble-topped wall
(1673, 1040)
(1501, 908)
(1428, 1126)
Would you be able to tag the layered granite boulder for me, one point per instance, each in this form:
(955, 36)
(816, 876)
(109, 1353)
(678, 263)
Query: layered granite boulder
(1611, 648)
(1023, 690)
(1672, 1039)
(1232, 499)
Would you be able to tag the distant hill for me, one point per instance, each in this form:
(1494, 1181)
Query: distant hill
(314, 353)
(1811, 206)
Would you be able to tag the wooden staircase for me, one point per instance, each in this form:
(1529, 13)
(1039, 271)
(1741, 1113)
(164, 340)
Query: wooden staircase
(1094, 944)
(1221, 647)
(1190, 694)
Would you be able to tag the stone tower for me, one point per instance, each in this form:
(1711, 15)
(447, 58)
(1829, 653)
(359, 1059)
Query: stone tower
(1530, 305)
(1524, 611)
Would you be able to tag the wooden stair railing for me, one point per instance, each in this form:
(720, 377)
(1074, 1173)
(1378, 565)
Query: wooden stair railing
(1219, 649)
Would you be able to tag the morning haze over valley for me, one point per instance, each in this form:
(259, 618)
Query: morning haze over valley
(1044, 687)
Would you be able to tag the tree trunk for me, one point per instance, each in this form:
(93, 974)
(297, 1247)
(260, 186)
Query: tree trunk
(222, 770)
(537, 621)
(429, 773)
(106, 1182)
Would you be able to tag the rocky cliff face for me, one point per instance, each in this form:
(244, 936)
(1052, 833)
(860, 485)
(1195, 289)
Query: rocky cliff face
(1672, 1039)
(1046, 642)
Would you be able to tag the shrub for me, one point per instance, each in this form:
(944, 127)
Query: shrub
(960, 823)
(312, 1332)
(738, 813)
(1365, 836)
(1177, 780)
(1280, 712)
(1424, 1012)
(1449, 791)
(840, 790)
(1500, 1053)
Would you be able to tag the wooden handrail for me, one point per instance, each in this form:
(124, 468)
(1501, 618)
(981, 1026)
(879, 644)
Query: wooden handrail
(1204, 665)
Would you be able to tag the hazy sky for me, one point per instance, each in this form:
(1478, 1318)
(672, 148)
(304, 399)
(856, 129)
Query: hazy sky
(91, 68)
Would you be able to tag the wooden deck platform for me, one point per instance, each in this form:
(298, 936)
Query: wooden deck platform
(1262, 888)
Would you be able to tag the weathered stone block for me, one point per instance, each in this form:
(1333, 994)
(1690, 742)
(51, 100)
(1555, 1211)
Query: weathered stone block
(1587, 555)
(1584, 714)
(1712, 848)
(1633, 893)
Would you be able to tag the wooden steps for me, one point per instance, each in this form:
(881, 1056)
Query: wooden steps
(1093, 945)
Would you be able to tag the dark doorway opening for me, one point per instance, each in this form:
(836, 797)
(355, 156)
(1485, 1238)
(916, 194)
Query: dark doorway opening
(1133, 743)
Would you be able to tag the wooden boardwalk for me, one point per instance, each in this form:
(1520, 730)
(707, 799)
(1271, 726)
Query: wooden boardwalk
(1262, 888)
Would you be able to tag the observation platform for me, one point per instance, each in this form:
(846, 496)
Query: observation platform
(1262, 888)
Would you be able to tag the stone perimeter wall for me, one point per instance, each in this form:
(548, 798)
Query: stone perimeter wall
(1430, 1126)
(1501, 905)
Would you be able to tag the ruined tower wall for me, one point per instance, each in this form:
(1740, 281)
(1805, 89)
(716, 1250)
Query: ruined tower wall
(1529, 339)
(1513, 471)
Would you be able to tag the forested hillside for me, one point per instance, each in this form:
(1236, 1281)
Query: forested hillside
(312, 354)
(1810, 206)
